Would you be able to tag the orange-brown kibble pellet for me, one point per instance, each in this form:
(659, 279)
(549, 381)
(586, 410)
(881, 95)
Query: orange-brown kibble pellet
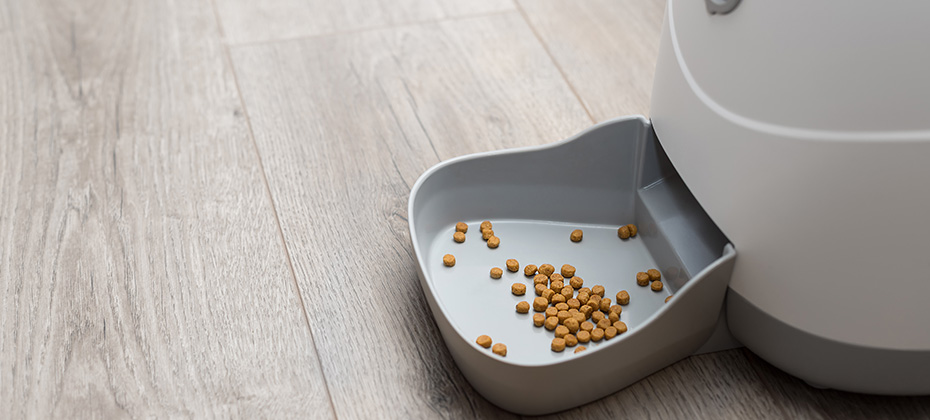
(579, 317)
(583, 297)
(458, 237)
(597, 316)
(620, 326)
(616, 309)
(603, 323)
(656, 286)
(595, 302)
(485, 225)
(529, 270)
(581, 348)
(572, 311)
(512, 265)
(623, 297)
(576, 235)
(604, 305)
(568, 292)
(572, 325)
(539, 319)
(568, 271)
(541, 279)
(540, 304)
(496, 273)
(556, 286)
(654, 274)
(586, 310)
(448, 260)
(557, 277)
(494, 242)
(623, 232)
(560, 331)
(642, 279)
(461, 227)
(558, 344)
(573, 303)
(576, 282)
(539, 290)
(562, 306)
(585, 290)
(557, 298)
(518, 289)
(633, 230)
(613, 317)
(484, 341)
(523, 307)
(487, 234)
(583, 336)
(563, 315)
(610, 332)
(548, 293)
(570, 340)
(552, 311)
(546, 269)
(597, 334)
(598, 290)
(668, 298)
(499, 349)
(551, 323)
(587, 326)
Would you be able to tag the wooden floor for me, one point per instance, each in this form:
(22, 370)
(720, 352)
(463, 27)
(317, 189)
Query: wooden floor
(203, 204)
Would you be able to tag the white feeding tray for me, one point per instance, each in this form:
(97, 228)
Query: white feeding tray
(611, 175)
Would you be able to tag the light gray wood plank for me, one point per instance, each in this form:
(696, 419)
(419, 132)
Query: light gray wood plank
(345, 125)
(606, 48)
(141, 270)
(256, 21)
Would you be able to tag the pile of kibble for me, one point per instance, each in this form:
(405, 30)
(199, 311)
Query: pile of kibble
(574, 313)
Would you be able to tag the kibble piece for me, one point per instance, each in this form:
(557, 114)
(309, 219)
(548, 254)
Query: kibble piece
(485, 225)
(642, 279)
(568, 271)
(597, 316)
(561, 331)
(512, 265)
(581, 348)
(576, 282)
(461, 227)
(539, 290)
(656, 286)
(583, 336)
(484, 341)
(541, 279)
(597, 334)
(579, 317)
(595, 302)
(572, 325)
(557, 298)
(573, 303)
(613, 317)
(562, 306)
(585, 290)
(620, 326)
(604, 305)
(523, 307)
(568, 292)
(548, 293)
(540, 304)
(546, 269)
(587, 326)
(558, 344)
(557, 277)
(563, 315)
(623, 232)
(583, 296)
(552, 311)
(610, 332)
(529, 270)
(539, 319)
(598, 290)
(668, 298)
(616, 309)
(518, 289)
(571, 310)
(576, 235)
(458, 237)
(499, 349)
(570, 340)
(551, 323)
(654, 274)
(604, 323)
(448, 260)
(623, 297)
(556, 286)
(487, 234)
(633, 230)
(496, 273)
(494, 242)
(586, 310)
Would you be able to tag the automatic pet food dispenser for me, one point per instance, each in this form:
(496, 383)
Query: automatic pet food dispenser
(784, 173)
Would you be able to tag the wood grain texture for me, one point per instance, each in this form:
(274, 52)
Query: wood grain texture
(607, 49)
(251, 21)
(141, 271)
(345, 125)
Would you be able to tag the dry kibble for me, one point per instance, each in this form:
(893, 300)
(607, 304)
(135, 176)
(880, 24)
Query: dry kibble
(585, 290)
(496, 273)
(613, 317)
(448, 260)
(551, 323)
(583, 336)
(518, 289)
(572, 311)
(551, 312)
(623, 297)
(573, 303)
(654, 274)
(561, 331)
(563, 315)
(546, 269)
(576, 235)
(642, 279)
(587, 326)
(539, 290)
(568, 292)
(595, 302)
(656, 286)
(604, 305)
(620, 326)
(557, 298)
(512, 265)
(485, 225)
(484, 341)
(633, 230)
(458, 237)
(586, 310)
(523, 307)
(603, 323)
(557, 277)
(540, 304)
(548, 293)
(568, 271)
(529, 270)
(583, 296)
(499, 349)
(578, 316)
(597, 334)
(539, 319)
(623, 232)
(616, 309)
(461, 227)
(610, 332)
(541, 279)
(598, 290)
(558, 344)
(494, 242)
(572, 325)
(556, 286)
(668, 298)
(487, 234)
(597, 316)
(570, 340)
(581, 348)
(562, 306)
(576, 282)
